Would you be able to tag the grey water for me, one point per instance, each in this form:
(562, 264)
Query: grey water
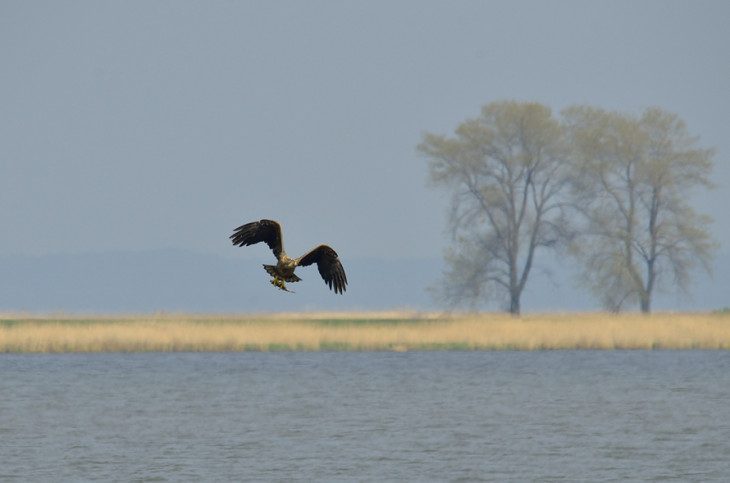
(371, 416)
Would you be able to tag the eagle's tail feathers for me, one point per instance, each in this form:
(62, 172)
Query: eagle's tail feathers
(271, 270)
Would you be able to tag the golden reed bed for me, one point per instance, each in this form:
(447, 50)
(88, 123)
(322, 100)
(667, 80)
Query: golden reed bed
(392, 331)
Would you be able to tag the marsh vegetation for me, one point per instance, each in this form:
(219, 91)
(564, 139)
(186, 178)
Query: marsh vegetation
(366, 331)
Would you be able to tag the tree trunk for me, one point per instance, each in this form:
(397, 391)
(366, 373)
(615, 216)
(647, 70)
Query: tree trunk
(514, 303)
(646, 303)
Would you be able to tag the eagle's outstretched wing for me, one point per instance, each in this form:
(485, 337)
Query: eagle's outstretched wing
(267, 231)
(329, 267)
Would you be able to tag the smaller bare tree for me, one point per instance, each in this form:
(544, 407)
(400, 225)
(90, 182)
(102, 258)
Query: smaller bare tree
(507, 174)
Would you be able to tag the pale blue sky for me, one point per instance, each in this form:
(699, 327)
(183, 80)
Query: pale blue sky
(142, 125)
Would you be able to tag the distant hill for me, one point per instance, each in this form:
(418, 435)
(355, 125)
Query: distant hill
(178, 280)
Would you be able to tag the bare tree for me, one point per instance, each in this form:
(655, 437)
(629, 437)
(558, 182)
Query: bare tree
(506, 172)
(635, 175)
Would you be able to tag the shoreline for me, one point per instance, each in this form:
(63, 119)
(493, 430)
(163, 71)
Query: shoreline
(360, 331)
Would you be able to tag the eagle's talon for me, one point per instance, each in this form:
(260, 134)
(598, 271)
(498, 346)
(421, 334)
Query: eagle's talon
(280, 283)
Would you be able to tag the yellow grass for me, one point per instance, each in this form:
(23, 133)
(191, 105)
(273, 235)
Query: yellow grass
(362, 331)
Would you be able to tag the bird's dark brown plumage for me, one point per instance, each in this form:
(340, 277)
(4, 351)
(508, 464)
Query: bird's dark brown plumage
(269, 232)
(329, 266)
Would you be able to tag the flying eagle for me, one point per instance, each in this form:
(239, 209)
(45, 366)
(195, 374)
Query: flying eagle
(269, 231)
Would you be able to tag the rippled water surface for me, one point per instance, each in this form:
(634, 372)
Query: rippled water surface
(577, 415)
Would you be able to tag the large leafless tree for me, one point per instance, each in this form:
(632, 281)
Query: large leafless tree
(635, 177)
(507, 173)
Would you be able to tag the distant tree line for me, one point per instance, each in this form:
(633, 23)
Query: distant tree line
(609, 190)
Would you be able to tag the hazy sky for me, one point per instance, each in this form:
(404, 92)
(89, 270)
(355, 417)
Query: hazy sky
(135, 125)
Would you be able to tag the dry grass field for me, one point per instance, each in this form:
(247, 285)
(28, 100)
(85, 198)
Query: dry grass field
(362, 331)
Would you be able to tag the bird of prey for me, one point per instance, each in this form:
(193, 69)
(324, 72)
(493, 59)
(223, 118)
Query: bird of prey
(269, 231)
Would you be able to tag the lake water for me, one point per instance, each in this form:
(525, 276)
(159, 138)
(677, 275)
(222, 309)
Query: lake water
(443, 416)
